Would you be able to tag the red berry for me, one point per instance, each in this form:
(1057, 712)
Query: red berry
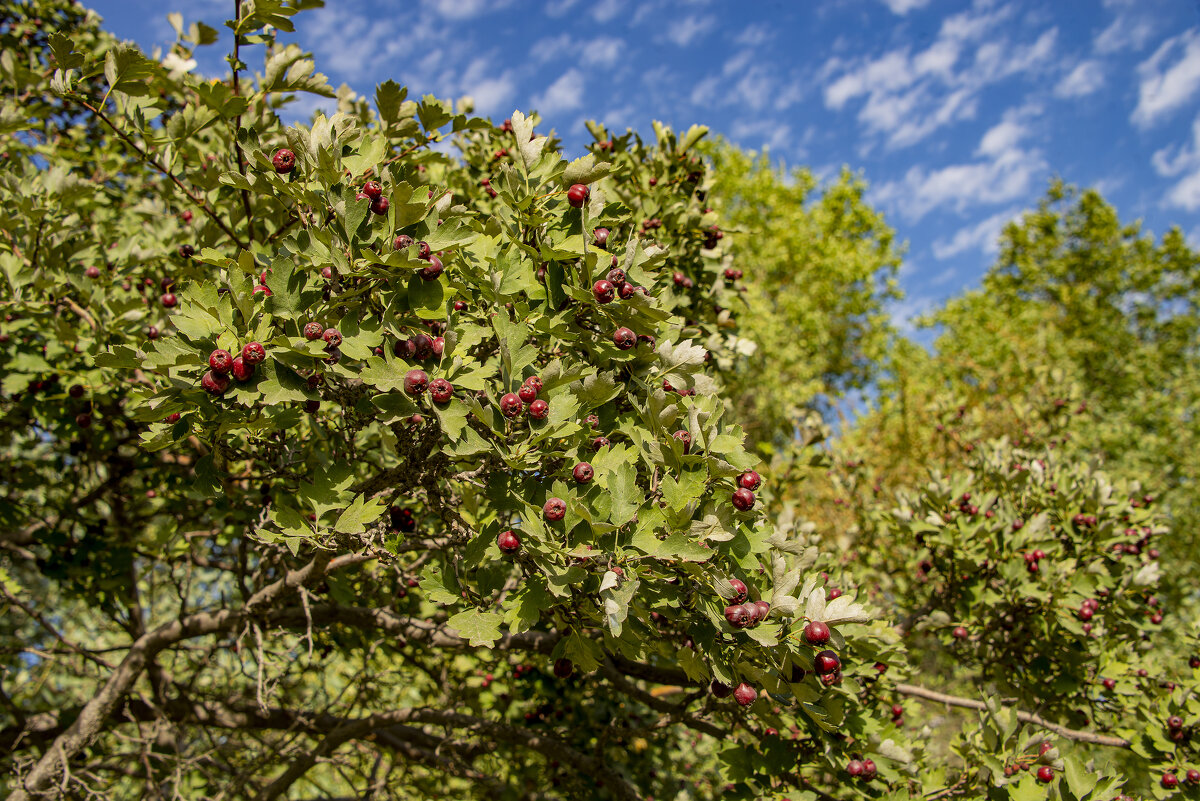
(744, 694)
(577, 195)
(959, 633)
(854, 767)
(284, 161)
(173, 417)
(749, 480)
(415, 382)
(241, 369)
(826, 663)
(259, 289)
(1109, 684)
(431, 271)
(402, 242)
(739, 587)
(220, 361)
(168, 300)
(254, 353)
(439, 346)
(563, 668)
(84, 420)
(743, 499)
(380, 205)
(1193, 776)
(1174, 722)
(583, 473)
(600, 442)
(764, 609)
(441, 390)
(214, 383)
(460, 305)
(816, 633)
(869, 770)
(685, 438)
(719, 689)
(1169, 780)
(421, 346)
(510, 405)
(508, 542)
(527, 393)
(601, 237)
(738, 615)
(604, 291)
(373, 190)
(555, 509)
(313, 331)
(92, 272)
(539, 409)
(897, 710)
(534, 382)
(624, 339)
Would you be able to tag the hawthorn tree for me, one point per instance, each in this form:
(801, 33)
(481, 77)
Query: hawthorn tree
(339, 466)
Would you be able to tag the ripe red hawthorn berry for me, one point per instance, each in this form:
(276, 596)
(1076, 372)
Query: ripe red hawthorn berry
(220, 360)
(604, 291)
(460, 305)
(826, 663)
(577, 195)
(510, 405)
(738, 615)
(284, 161)
(600, 442)
(897, 710)
(373, 190)
(749, 480)
(869, 770)
(168, 300)
(554, 509)
(539, 409)
(187, 251)
(431, 271)
(313, 331)
(260, 289)
(959, 633)
(624, 338)
(241, 369)
(508, 542)
(441, 390)
(601, 237)
(402, 242)
(416, 382)
(422, 346)
(719, 689)
(1169, 780)
(83, 420)
(743, 499)
(739, 587)
(563, 668)
(173, 417)
(583, 473)
(380, 205)
(92, 272)
(763, 608)
(214, 383)
(744, 694)
(527, 393)
(254, 353)
(816, 633)
(685, 438)
(855, 768)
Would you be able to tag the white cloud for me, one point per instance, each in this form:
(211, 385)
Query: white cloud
(1128, 31)
(1006, 174)
(904, 6)
(688, 29)
(602, 51)
(1164, 88)
(904, 312)
(982, 235)
(1182, 162)
(909, 96)
(491, 94)
(563, 95)
(753, 36)
(605, 10)
(557, 8)
(462, 9)
(1086, 78)
(759, 132)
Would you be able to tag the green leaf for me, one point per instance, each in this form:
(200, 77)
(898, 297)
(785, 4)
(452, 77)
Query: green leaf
(126, 70)
(585, 170)
(356, 212)
(388, 97)
(478, 628)
(625, 494)
(427, 298)
(1079, 778)
(356, 517)
(64, 52)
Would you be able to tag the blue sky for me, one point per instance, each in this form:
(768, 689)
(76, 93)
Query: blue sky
(957, 113)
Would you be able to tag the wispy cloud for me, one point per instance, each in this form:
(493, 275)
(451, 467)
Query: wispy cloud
(1086, 78)
(688, 29)
(1169, 78)
(1182, 162)
(982, 235)
(904, 6)
(605, 10)
(564, 94)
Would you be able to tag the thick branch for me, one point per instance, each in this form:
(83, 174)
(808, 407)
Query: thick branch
(1025, 717)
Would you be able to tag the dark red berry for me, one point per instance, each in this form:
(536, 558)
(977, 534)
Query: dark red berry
(431, 271)
(1174, 722)
(284, 161)
(92, 272)
(314, 331)
(539, 409)
(685, 438)
(744, 694)
(380, 205)
(510, 405)
(214, 383)
(76, 391)
(259, 289)
(422, 346)
(577, 195)
(719, 689)
(601, 237)
(460, 305)
(1169, 780)
(254, 353)
(527, 393)
(624, 339)
(749, 480)
(855, 768)
(373, 190)
(173, 417)
(241, 369)
(441, 390)
(826, 663)
(563, 668)
(869, 770)
(220, 360)
(415, 382)
(84, 420)
(508, 542)
(743, 499)
(600, 442)
(583, 473)
(555, 509)
(959, 633)
(187, 251)
(816, 633)
(168, 300)
(739, 587)
(604, 291)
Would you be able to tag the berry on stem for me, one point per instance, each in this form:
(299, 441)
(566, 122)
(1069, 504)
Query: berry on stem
(554, 509)
(583, 473)
(416, 382)
(577, 195)
(284, 161)
(508, 542)
(253, 353)
(743, 499)
(220, 360)
(816, 633)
